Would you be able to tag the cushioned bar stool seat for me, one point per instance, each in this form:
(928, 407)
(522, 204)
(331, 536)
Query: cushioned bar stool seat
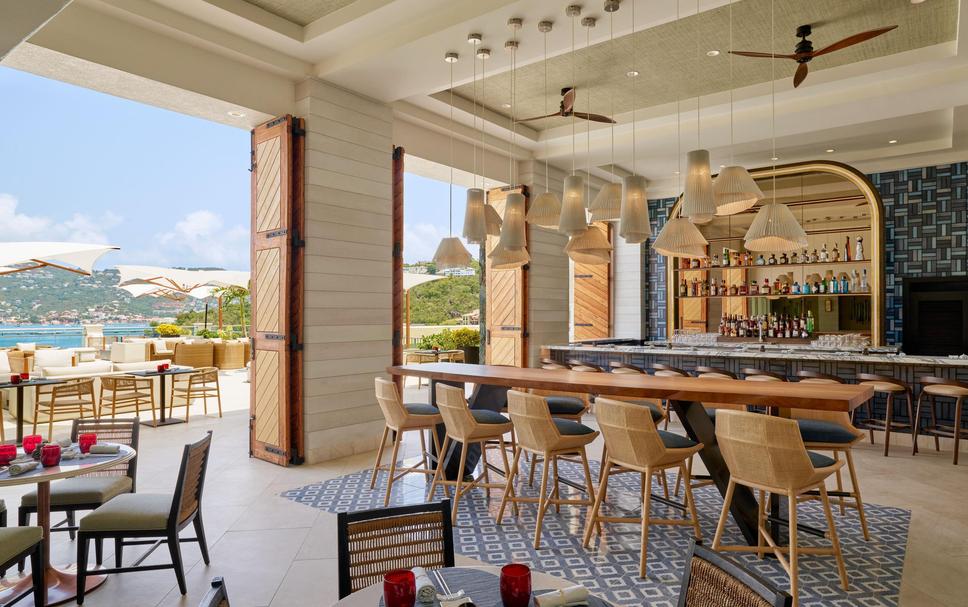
(934, 387)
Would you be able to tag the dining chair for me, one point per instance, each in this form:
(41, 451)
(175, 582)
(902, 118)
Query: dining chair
(711, 579)
(934, 387)
(64, 401)
(217, 595)
(767, 454)
(832, 431)
(418, 357)
(547, 437)
(635, 444)
(125, 394)
(400, 419)
(92, 490)
(890, 388)
(467, 427)
(159, 518)
(369, 543)
(21, 543)
(202, 383)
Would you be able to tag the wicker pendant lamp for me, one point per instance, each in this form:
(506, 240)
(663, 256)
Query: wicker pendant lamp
(451, 252)
(545, 210)
(505, 259)
(634, 225)
(607, 205)
(679, 237)
(493, 221)
(590, 247)
(698, 201)
(573, 218)
(774, 229)
(513, 230)
(734, 188)
(475, 224)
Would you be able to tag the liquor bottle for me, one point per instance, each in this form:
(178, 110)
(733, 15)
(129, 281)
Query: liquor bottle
(817, 287)
(809, 322)
(784, 260)
(786, 288)
(823, 254)
(695, 287)
(683, 289)
(803, 328)
(834, 285)
(835, 254)
(772, 260)
(805, 289)
(859, 249)
(732, 290)
(847, 249)
(742, 289)
(754, 288)
(722, 324)
(793, 258)
(694, 263)
(777, 287)
(725, 257)
(796, 287)
(716, 260)
(863, 281)
(760, 261)
(765, 289)
(814, 257)
(844, 284)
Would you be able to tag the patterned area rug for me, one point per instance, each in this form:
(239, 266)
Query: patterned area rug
(610, 566)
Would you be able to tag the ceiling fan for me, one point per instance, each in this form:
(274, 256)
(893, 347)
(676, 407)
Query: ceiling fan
(804, 52)
(567, 109)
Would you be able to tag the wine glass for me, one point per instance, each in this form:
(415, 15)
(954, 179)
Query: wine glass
(515, 585)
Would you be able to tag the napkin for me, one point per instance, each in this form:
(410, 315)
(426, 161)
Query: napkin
(426, 591)
(18, 469)
(105, 449)
(573, 595)
(64, 443)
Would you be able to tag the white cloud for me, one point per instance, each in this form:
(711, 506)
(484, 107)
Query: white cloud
(420, 242)
(202, 239)
(78, 228)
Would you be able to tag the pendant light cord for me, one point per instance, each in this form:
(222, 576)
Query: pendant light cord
(474, 127)
(545, 63)
(450, 227)
(588, 124)
(632, 71)
(574, 90)
(698, 93)
(483, 149)
(732, 148)
(514, 54)
(678, 109)
(773, 90)
(611, 94)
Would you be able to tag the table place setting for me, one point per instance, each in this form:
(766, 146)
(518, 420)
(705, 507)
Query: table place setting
(39, 453)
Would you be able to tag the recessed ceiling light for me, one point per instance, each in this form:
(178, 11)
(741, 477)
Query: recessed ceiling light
(916, 1)
(506, 106)
(236, 114)
(722, 166)
(474, 39)
(774, 158)
(451, 57)
(892, 141)
(631, 73)
(675, 172)
(831, 150)
(712, 53)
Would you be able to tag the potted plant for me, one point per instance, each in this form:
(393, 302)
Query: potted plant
(468, 340)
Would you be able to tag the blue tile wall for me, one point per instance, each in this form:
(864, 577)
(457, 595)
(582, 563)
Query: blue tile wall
(926, 234)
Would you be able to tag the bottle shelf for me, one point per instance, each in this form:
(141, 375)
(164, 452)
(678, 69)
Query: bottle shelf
(774, 296)
(777, 266)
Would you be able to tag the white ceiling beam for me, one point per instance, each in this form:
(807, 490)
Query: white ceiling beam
(22, 19)
(340, 17)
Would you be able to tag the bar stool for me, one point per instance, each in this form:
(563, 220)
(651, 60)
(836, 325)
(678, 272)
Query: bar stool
(635, 443)
(546, 437)
(580, 365)
(660, 370)
(946, 388)
(888, 386)
(547, 363)
(832, 431)
(767, 454)
(751, 374)
(400, 419)
(466, 426)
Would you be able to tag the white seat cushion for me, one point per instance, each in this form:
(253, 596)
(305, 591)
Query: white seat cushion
(4, 363)
(52, 358)
(27, 347)
(150, 365)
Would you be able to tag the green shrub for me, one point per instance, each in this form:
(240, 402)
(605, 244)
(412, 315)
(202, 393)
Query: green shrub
(167, 330)
(207, 333)
(451, 339)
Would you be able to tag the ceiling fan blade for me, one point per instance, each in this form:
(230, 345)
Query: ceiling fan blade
(852, 40)
(767, 55)
(801, 75)
(593, 117)
(556, 114)
(568, 101)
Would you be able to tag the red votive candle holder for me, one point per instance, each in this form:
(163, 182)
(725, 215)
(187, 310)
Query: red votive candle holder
(25, 376)
(167, 366)
(50, 455)
(31, 441)
(7, 453)
(515, 585)
(84, 441)
(14, 379)
(399, 588)
(161, 368)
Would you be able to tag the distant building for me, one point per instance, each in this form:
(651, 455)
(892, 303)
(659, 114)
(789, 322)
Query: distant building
(458, 272)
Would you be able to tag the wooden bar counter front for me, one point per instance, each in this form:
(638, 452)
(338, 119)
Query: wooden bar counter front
(686, 395)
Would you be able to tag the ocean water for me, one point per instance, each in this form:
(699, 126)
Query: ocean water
(64, 336)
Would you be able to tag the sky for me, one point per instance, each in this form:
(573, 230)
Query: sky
(167, 188)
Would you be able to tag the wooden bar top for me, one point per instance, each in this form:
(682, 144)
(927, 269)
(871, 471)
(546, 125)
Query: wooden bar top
(825, 397)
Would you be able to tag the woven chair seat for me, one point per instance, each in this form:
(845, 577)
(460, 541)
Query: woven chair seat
(819, 460)
(130, 512)
(568, 427)
(421, 409)
(565, 405)
(820, 431)
(82, 490)
(14, 541)
(486, 416)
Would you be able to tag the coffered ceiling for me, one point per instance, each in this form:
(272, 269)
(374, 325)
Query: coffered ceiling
(301, 12)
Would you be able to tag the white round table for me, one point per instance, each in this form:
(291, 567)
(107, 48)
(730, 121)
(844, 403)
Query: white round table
(371, 595)
(61, 583)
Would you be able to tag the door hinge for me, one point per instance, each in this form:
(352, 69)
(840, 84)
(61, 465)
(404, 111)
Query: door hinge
(294, 345)
(275, 336)
(252, 162)
(277, 233)
(296, 131)
(297, 241)
(273, 123)
(276, 451)
(396, 338)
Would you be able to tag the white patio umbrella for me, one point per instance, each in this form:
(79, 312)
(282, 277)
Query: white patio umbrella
(147, 290)
(71, 256)
(411, 280)
(184, 281)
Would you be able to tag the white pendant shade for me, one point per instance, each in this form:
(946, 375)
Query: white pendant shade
(513, 230)
(607, 206)
(698, 201)
(573, 220)
(775, 229)
(475, 225)
(634, 224)
(451, 253)
(591, 247)
(508, 259)
(545, 211)
(735, 191)
(680, 238)
(492, 220)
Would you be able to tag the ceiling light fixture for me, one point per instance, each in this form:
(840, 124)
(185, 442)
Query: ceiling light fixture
(698, 200)
(573, 220)
(831, 150)
(734, 188)
(474, 39)
(892, 141)
(607, 205)
(634, 225)
(451, 252)
(631, 74)
(236, 113)
(774, 229)
(713, 53)
(475, 222)
(545, 211)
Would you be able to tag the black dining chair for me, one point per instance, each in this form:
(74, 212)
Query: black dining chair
(217, 596)
(712, 579)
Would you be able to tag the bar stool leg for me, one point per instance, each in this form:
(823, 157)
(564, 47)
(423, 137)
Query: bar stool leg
(441, 463)
(855, 489)
(690, 501)
(592, 521)
(542, 501)
(887, 424)
(379, 457)
(794, 548)
(393, 466)
(840, 486)
(460, 481)
(913, 422)
(761, 525)
(934, 423)
(646, 507)
(509, 487)
(721, 525)
(834, 539)
(916, 422)
(957, 428)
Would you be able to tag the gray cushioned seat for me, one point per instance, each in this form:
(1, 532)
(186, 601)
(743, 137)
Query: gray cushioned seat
(820, 460)
(819, 431)
(486, 416)
(3, 506)
(130, 512)
(565, 405)
(567, 427)
(15, 540)
(421, 409)
(671, 440)
(82, 490)
(654, 409)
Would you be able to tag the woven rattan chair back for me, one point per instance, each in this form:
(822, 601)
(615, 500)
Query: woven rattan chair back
(119, 384)
(533, 427)
(109, 430)
(373, 542)
(191, 480)
(458, 420)
(712, 580)
(388, 398)
(837, 417)
(74, 388)
(203, 377)
(630, 434)
(763, 451)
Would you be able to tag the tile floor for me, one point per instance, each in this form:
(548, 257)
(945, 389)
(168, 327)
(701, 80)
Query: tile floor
(274, 552)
